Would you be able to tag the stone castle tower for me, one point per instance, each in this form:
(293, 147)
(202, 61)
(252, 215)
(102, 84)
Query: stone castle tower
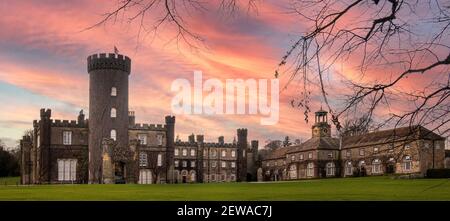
(321, 128)
(108, 106)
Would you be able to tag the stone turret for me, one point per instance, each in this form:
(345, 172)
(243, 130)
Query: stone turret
(321, 128)
(108, 106)
(170, 136)
(241, 169)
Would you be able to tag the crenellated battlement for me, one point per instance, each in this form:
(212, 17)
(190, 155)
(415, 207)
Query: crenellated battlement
(67, 123)
(148, 127)
(210, 144)
(109, 61)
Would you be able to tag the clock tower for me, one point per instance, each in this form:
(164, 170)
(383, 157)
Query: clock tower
(321, 128)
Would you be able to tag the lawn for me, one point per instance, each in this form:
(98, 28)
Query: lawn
(368, 188)
(9, 181)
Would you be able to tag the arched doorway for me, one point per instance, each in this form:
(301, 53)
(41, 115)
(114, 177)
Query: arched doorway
(119, 172)
(184, 177)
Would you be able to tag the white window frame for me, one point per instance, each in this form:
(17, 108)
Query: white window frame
(159, 139)
(143, 159)
(113, 112)
(67, 137)
(301, 156)
(310, 169)
(376, 166)
(113, 92)
(223, 153)
(184, 152)
(233, 164)
(184, 163)
(113, 134)
(330, 169)
(177, 151)
(143, 138)
(192, 152)
(233, 153)
(310, 155)
(159, 160)
(177, 163)
(223, 164)
(67, 169)
(362, 152)
(192, 163)
(348, 168)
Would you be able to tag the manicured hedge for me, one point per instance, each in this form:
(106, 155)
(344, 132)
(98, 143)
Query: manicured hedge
(438, 173)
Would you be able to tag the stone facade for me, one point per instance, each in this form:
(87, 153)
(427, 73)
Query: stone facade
(111, 147)
(407, 150)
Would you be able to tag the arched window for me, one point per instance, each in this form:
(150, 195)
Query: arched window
(407, 163)
(113, 134)
(193, 176)
(330, 169)
(113, 91)
(348, 168)
(376, 166)
(293, 171)
(310, 170)
(113, 112)
(361, 164)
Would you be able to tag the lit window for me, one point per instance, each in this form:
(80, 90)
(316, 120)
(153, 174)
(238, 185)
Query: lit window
(143, 159)
(67, 169)
(159, 161)
(192, 152)
(233, 164)
(113, 91)
(224, 164)
(159, 139)
(376, 166)
(184, 152)
(224, 153)
(113, 134)
(113, 112)
(310, 170)
(330, 169)
(67, 137)
(233, 153)
(143, 138)
(177, 152)
(192, 163)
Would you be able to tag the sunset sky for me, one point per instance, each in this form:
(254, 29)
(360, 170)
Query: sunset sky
(44, 45)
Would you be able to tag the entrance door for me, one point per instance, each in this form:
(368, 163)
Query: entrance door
(184, 179)
(119, 172)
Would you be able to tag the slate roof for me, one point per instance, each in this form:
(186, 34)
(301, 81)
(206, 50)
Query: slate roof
(277, 153)
(316, 143)
(386, 136)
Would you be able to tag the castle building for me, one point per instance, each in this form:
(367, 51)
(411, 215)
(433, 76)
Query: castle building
(406, 150)
(110, 147)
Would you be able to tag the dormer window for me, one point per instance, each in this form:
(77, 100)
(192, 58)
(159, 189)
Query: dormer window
(113, 91)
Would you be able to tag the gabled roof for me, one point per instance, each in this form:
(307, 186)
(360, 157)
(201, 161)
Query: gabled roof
(391, 135)
(316, 143)
(277, 153)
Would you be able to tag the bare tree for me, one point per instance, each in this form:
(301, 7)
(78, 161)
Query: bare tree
(357, 126)
(397, 39)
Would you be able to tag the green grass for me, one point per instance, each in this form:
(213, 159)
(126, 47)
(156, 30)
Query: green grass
(9, 180)
(368, 188)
